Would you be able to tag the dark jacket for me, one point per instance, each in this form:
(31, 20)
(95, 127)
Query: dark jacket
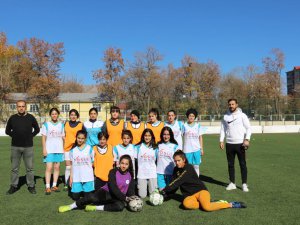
(187, 180)
(20, 129)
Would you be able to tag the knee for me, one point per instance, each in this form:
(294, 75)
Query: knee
(49, 168)
(56, 166)
(189, 203)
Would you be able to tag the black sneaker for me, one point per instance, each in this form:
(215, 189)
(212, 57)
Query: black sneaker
(32, 190)
(11, 190)
(238, 205)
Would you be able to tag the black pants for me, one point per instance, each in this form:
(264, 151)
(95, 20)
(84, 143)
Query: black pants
(231, 151)
(101, 197)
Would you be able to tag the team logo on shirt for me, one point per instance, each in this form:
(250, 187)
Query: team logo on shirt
(127, 181)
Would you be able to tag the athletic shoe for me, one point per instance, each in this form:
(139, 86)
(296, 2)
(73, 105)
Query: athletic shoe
(238, 205)
(32, 190)
(231, 186)
(66, 188)
(48, 191)
(12, 190)
(245, 187)
(64, 208)
(55, 189)
(90, 208)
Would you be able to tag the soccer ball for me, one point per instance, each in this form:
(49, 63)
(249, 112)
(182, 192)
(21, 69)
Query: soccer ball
(136, 204)
(156, 198)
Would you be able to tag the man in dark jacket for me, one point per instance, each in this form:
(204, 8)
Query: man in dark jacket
(22, 127)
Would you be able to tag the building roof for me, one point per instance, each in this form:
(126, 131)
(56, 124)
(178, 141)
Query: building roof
(297, 68)
(66, 97)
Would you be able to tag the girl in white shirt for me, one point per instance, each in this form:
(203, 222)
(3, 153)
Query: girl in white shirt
(165, 163)
(82, 159)
(53, 135)
(146, 154)
(126, 148)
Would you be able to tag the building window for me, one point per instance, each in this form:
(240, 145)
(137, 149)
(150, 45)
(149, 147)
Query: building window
(13, 107)
(97, 106)
(34, 108)
(65, 108)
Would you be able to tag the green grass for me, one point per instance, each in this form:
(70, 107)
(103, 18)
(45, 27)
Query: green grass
(273, 177)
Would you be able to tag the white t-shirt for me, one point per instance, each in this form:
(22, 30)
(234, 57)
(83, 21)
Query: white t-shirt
(120, 150)
(165, 162)
(146, 161)
(82, 163)
(177, 129)
(54, 133)
(191, 134)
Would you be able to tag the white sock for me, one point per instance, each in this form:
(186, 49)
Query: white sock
(67, 173)
(100, 207)
(196, 167)
(73, 205)
(47, 185)
(54, 184)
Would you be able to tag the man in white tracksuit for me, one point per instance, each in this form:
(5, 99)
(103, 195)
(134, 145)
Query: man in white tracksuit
(235, 126)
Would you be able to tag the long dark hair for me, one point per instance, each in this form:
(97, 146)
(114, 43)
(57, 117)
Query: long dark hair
(130, 168)
(79, 132)
(172, 139)
(152, 142)
(182, 155)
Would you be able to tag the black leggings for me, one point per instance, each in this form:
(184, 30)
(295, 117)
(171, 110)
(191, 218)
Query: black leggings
(101, 197)
(231, 151)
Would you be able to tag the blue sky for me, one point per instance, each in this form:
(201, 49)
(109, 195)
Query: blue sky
(232, 33)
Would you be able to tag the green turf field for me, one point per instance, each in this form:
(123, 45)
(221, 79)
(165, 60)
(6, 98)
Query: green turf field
(273, 178)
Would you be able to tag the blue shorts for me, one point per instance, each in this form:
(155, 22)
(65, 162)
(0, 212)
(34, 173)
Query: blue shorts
(78, 187)
(163, 180)
(54, 157)
(194, 158)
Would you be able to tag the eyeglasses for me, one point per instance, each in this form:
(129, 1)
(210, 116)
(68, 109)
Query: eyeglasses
(115, 110)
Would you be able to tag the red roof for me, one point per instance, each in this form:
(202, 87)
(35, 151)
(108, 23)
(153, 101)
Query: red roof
(297, 68)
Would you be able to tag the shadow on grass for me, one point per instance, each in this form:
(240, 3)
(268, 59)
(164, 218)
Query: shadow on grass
(212, 180)
(22, 180)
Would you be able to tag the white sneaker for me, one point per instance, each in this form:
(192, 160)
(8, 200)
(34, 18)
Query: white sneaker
(231, 186)
(245, 187)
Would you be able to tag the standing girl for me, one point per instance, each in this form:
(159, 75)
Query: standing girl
(146, 154)
(154, 123)
(165, 164)
(176, 126)
(113, 195)
(114, 126)
(93, 127)
(82, 174)
(126, 148)
(104, 160)
(71, 128)
(52, 141)
(136, 126)
(193, 142)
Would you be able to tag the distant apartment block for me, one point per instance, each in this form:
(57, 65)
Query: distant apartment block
(293, 80)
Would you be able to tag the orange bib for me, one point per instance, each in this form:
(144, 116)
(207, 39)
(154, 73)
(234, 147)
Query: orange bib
(103, 163)
(114, 132)
(136, 132)
(156, 130)
(71, 135)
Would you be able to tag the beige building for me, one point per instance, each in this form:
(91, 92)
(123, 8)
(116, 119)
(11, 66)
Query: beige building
(66, 101)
